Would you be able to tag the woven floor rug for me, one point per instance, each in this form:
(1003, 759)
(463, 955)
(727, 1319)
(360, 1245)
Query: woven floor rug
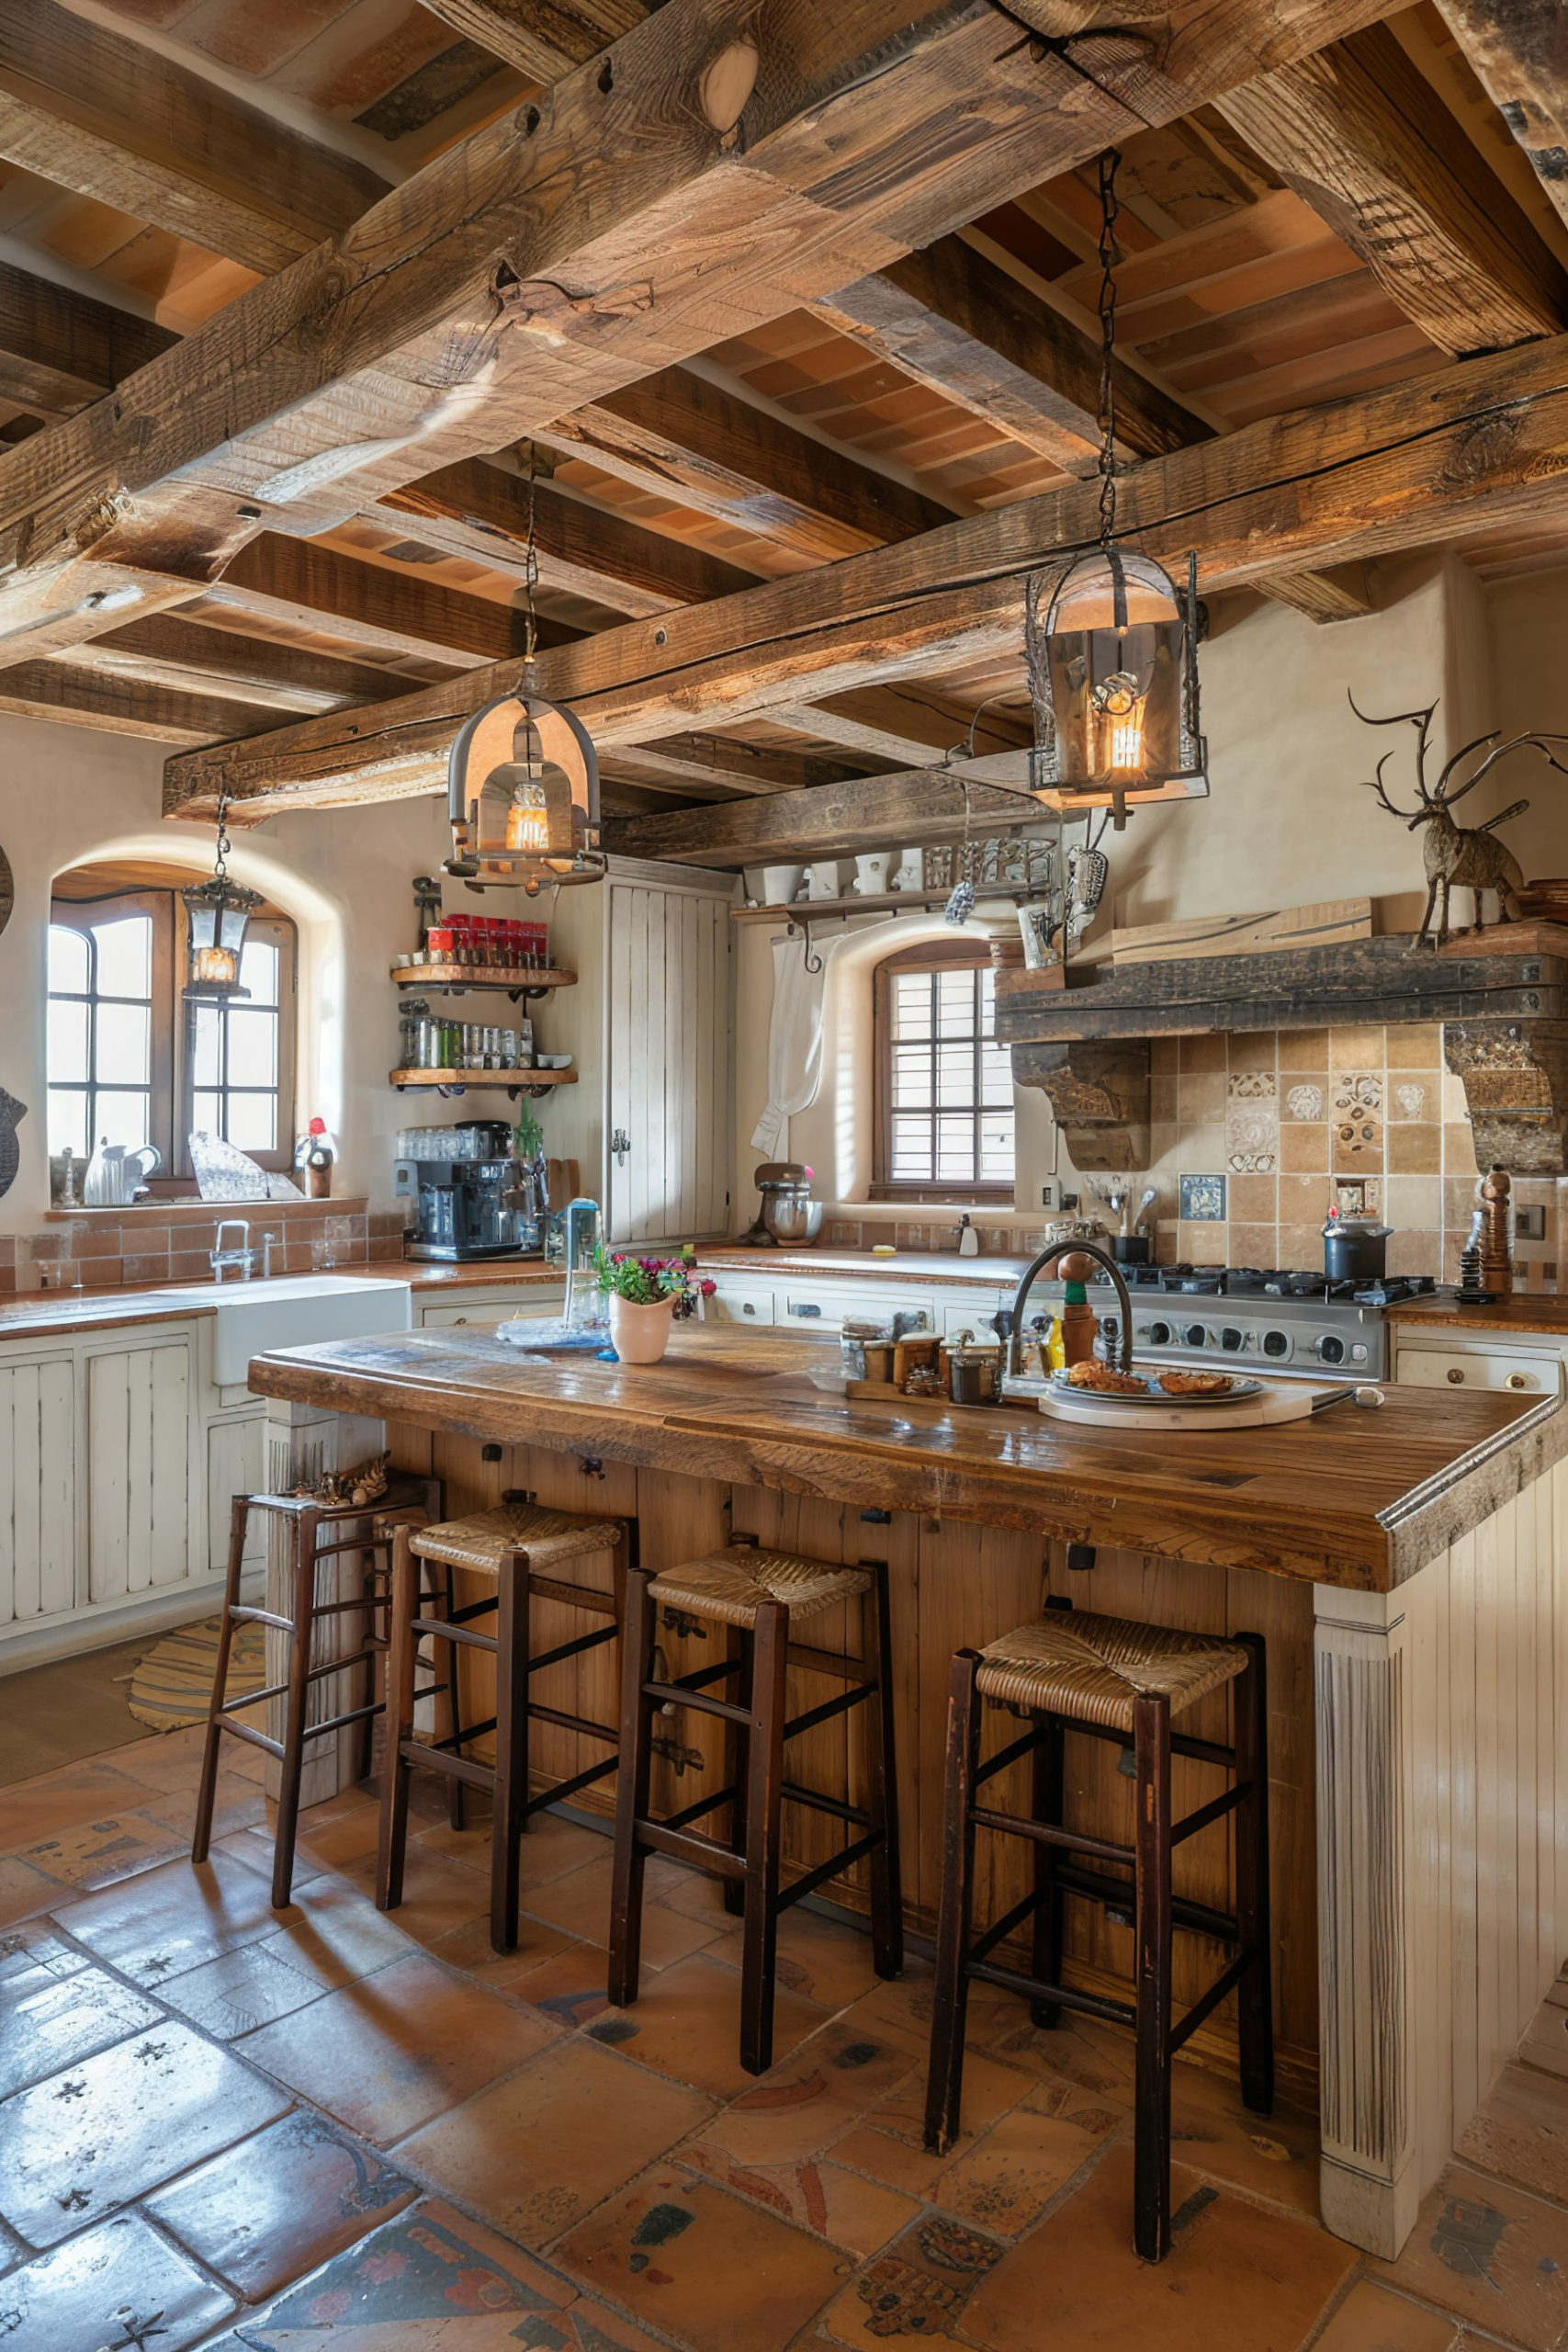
(172, 1687)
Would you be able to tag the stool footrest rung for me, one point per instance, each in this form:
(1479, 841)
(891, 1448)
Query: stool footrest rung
(572, 1723)
(1046, 1833)
(1215, 1810)
(256, 1738)
(699, 1701)
(458, 1739)
(1065, 1997)
(571, 1649)
(240, 1614)
(571, 1596)
(457, 1768)
(815, 1661)
(696, 1810)
(561, 1790)
(1118, 1893)
(1210, 2000)
(449, 1630)
(839, 1704)
(336, 1723)
(1011, 1754)
(814, 1878)
(1001, 1928)
(690, 1846)
(793, 1794)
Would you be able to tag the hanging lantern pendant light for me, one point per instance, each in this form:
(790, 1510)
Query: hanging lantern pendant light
(1111, 644)
(217, 913)
(523, 781)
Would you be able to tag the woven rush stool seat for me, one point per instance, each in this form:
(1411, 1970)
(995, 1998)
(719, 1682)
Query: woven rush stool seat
(760, 1594)
(516, 1548)
(1094, 1669)
(732, 1584)
(1109, 1679)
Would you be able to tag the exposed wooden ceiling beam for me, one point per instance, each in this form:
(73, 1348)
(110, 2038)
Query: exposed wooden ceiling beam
(954, 319)
(1520, 50)
(1342, 593)
(644, 208)
(860, 813)
(681, 438)
(183, 656)
(116, 706)
(543, 39)
(60, 351)
(481, 512)
(1365, 140)
(384, 611)
(900, 724)
(711, 762)
(89, 110)
(1435, 459)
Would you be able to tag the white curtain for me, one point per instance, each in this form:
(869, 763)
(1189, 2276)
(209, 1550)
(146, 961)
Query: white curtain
(794, 1037)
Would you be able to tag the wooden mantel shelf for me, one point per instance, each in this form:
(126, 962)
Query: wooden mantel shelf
(1503, 1017)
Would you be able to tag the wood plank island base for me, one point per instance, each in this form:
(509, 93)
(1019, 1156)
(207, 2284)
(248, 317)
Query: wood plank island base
(1406, 1568)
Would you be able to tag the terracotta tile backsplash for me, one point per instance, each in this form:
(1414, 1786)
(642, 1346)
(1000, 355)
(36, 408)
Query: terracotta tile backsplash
(175, 1245)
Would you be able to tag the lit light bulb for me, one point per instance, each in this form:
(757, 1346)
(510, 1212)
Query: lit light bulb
(1118, 704)
(218, 965)
(527, 822)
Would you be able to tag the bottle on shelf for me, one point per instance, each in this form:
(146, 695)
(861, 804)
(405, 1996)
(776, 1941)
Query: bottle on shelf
(313, 1155)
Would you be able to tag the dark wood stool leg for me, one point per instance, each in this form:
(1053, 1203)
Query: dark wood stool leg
(882, 1778)
(950, 1992)
(737, 1763)
(239, 1521)
(371, 1584)
(510, 1808)
(457, 1794)
(302, 1547)
(1151, 1841)
(1047, 1771)
(1254, 2019)
(764, 1811)
(394, 1827)
(631, 1790)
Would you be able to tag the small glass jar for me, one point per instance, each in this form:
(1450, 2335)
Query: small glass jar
(439, 939)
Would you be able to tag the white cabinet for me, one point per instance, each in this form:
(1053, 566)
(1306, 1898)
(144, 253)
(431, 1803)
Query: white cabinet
(236, 1464)
(138, 1432)
(738, 1302)
(38, 1487)
(667, 1062)
(485, 1306)
(1499, 1364)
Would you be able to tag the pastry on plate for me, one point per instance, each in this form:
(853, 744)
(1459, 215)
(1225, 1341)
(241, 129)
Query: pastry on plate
(1196, 1383)
(1091, 1373)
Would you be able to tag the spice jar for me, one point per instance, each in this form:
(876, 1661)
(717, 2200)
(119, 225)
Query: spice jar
(856, 1333)
(973, 1371)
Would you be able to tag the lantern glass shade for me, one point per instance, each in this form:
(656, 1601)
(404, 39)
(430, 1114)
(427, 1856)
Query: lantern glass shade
(217, 913)
(1113, 674)
(522, 797)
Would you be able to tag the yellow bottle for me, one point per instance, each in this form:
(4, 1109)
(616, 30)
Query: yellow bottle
(1054, 1349)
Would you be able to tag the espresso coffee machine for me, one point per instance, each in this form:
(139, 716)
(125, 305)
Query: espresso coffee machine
(474, 1198)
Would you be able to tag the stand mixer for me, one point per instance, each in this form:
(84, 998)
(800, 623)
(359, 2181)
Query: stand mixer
(788, 1216)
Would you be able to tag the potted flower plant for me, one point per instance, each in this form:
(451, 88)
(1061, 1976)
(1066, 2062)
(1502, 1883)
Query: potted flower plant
(646, 1295)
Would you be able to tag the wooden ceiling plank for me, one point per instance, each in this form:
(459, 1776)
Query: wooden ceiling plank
(640, 211)
(1435, 461)
(835, 821)
(176, 651)
(746, 767)
(681, 437)
(60, 350)
(369, 604)
(1343, 592)
(90, 110)
(1362, 137)
(543, 39)
(893, 723)
(118, 706)
(1520, 51)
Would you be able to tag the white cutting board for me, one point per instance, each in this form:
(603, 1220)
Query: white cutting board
(1280, 1401)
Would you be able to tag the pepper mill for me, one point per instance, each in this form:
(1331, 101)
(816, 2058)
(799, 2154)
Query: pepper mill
(1495, 1193)
(1080, 1325)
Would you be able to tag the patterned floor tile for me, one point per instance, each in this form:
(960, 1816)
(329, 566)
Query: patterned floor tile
(335, 1934)
(1005, 2179)
(102, 1852)
(64, 1800)
(535, 2152)
(1371, 2319)
(822, 1960)
(438, 1894)
(37, 1944)
(859, 2215)
(279, 2203)
(1491, 2253)
(471, 1949)
(579, 1904)
(49, 2021)
(890, 2142)
(177, 1918)
(686, 2022)
(1272, 2156)
(811, 2098)
(76, 2147)
(25, 1891)
(243, 1990)
(712, 2271)
(570, 1985)
(918, 2286)
(389, 2054)
(118, 2284)
(1521, 2131)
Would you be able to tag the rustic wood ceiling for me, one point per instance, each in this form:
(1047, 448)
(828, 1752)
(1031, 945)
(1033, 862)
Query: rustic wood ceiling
(796, 365)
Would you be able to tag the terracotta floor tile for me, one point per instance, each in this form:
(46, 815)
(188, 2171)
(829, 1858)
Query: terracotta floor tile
(890, 2143)
(1012, 2171)
(810, 2098)
(1237, 2280)
(469, 1949)
(818, 1958)
(49, 2021)
(1492, 2255)
(570, 1985)
(238, 1804)
(438, 1895)
(103, 1851)
(100, 2286)
(36, 1943)
(1371, 2319)
(714, 2273)
(859, 2215)
(33, 1809)
(398, 2048)
(79, 2144)
(1521, 2131)
(900, 2009)
(917, 2287)
(24, 1891)
(241, 1990)
(677, 1888)
(165, 1760)
(579, 1903)
(346, 1838)
(551, 1846)
(431, 2280)
(279, 2203)
(336, 1935)
(1272, 2156)
(686, 2022)
(535, 2152)
(177, 1918)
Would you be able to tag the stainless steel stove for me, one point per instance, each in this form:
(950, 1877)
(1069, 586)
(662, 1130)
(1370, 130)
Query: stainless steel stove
(1285, 1325)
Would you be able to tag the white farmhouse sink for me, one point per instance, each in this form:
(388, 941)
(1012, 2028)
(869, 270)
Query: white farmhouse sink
(293, 1310)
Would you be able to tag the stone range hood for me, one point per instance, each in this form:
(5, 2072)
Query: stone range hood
(1504, 1016)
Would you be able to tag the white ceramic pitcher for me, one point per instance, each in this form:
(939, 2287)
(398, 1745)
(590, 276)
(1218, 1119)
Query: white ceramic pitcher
(114, 1175)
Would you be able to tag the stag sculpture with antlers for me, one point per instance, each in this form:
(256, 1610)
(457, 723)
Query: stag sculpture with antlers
(1468, 857)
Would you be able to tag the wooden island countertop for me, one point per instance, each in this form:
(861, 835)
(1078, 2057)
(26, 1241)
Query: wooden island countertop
(1352, 1498)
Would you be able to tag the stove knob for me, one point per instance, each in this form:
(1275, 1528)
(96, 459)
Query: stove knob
(1194, 1335)
(1159, 1335)
(1275, 1343)
(1331, 1348)
(1230, 1338)
(1358, 1353)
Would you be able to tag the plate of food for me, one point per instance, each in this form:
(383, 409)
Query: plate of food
(1173, 1385)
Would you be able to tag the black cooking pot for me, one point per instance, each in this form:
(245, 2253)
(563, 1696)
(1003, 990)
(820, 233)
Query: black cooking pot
(1355, 1249)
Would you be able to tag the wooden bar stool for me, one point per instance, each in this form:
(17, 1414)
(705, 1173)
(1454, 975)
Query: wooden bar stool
(516, 1544)
(304, 1521)
(763, 1595)
(1109, 1678)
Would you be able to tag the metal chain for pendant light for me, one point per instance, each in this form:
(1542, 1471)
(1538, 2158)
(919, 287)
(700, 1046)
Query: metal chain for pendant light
(530, 565)
(220, 870)
(1110, 254)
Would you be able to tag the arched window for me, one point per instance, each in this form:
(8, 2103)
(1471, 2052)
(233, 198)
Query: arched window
(943, 1123)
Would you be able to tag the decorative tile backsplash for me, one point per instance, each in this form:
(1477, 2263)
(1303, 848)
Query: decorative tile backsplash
(172, 1242)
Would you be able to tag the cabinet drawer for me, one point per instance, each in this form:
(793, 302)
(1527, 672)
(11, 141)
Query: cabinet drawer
(727, 1306)
(826, 1310)
(976, 1317)
(1443, 1368)
(484, 1314)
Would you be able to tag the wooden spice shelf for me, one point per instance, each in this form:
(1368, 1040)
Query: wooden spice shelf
(882, 902)
(529, 979)
(454, 1081)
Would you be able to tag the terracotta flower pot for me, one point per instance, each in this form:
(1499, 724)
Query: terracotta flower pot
(639, 1334)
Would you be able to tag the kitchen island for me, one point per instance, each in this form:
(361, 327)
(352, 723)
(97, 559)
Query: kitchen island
(1403, 1566)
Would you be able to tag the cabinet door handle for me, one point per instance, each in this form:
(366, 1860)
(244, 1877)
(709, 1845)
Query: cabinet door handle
(459, 1318)
(1521, 1380)
(747, 1307)
(1455, 1375)
(620, 1144)
(805, 1310)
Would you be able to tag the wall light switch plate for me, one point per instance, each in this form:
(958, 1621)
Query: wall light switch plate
(1046, 1194)
(1530, 1225)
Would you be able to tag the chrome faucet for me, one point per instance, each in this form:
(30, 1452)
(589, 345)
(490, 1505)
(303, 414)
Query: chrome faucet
(270, 1241)
(244, 1256)
(1048, 1257)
